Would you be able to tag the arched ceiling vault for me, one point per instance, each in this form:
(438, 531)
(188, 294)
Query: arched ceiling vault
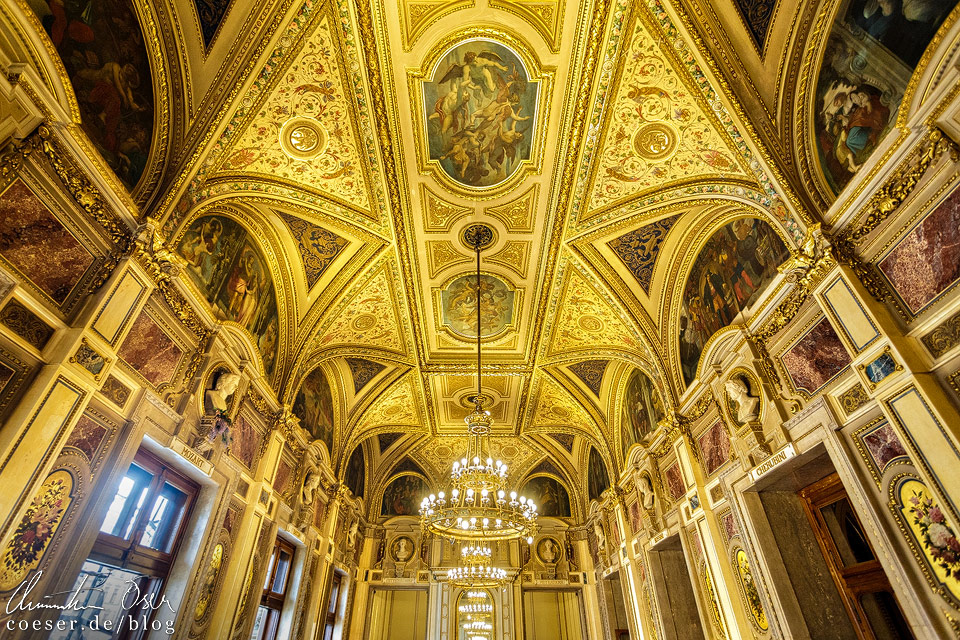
(603, 143)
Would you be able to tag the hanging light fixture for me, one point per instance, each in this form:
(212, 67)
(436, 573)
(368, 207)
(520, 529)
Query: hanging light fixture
(476, 571)
(478, 507)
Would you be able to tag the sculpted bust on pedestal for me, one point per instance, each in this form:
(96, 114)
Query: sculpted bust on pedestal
(748, 407)
(226, 386)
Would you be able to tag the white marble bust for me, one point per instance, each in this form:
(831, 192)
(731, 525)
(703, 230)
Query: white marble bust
(310, 484)
(226, 386)
(748, 407)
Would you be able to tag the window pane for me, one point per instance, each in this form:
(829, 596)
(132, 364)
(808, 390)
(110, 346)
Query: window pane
(848, 536)
(273, 558)
(283, 567)
(260, 624)
(101, 589)
(127, 502)
(164, 519)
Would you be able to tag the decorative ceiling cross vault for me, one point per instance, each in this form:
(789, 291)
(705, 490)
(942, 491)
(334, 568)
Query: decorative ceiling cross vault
(595, 142)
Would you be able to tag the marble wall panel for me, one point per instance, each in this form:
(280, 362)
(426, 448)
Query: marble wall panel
(150, 351)
(816, 358)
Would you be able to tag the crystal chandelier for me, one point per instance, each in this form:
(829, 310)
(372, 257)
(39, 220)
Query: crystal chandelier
(476, 571)
(478, 506)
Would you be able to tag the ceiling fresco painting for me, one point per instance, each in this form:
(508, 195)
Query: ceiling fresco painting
(458, 306)
(551, 498)
(230, 270)
(211, 14)
(598, 479)
(355, 475)
(639, 248)
(102, 48)
(318, 246)
(402, 496)
(729, 274)
(480, 113)
(313, 405)
(871, 53)
(642, 409)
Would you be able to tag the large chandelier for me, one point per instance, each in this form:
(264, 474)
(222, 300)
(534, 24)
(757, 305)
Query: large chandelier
(478, 507)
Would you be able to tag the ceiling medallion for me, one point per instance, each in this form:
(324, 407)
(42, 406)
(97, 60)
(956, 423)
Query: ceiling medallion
(303, 138)
(478, 234)
(655, 141)
(470, 400)
(478, 507)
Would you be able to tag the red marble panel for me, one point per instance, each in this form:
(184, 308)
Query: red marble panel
(87, 436)
(38, 245)
(816, 358)
(674, 481)
(246, 442)
(715, 447)
(728, 525)
(927, 261)
(149, 350)
(883, 445)
(282, 479)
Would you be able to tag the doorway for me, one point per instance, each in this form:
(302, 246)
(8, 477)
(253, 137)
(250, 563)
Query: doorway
(863, 586)
(680, 617)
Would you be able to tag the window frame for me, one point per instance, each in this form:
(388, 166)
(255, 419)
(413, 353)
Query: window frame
(128, 553)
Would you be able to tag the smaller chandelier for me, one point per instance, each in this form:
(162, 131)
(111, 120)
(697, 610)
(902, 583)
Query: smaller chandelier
(478, 626)
(476, 570)
(476, 608)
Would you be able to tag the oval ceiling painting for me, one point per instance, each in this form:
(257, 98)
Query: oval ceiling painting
(729, 274)
(480, 109)
(874, 47)
(458, 306)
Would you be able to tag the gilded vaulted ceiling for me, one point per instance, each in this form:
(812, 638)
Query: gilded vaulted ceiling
(360, 142)
(338, 150)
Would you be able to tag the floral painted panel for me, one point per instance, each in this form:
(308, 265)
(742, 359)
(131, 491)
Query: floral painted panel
(312, 89)
(37, 245)
(226, 264)
(150, 351)
(816, 358)
(27, 544)
(757, 15)
(754, 604)
(211, 13)
(870, 55)
(935, 538)
(926, 262)
(730, 274)
(715, 447)
(318, 246)
(480, 111)
(102, 48)
(590, 373)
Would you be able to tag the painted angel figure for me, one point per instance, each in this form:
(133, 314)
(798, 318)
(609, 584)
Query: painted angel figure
(476, 66)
